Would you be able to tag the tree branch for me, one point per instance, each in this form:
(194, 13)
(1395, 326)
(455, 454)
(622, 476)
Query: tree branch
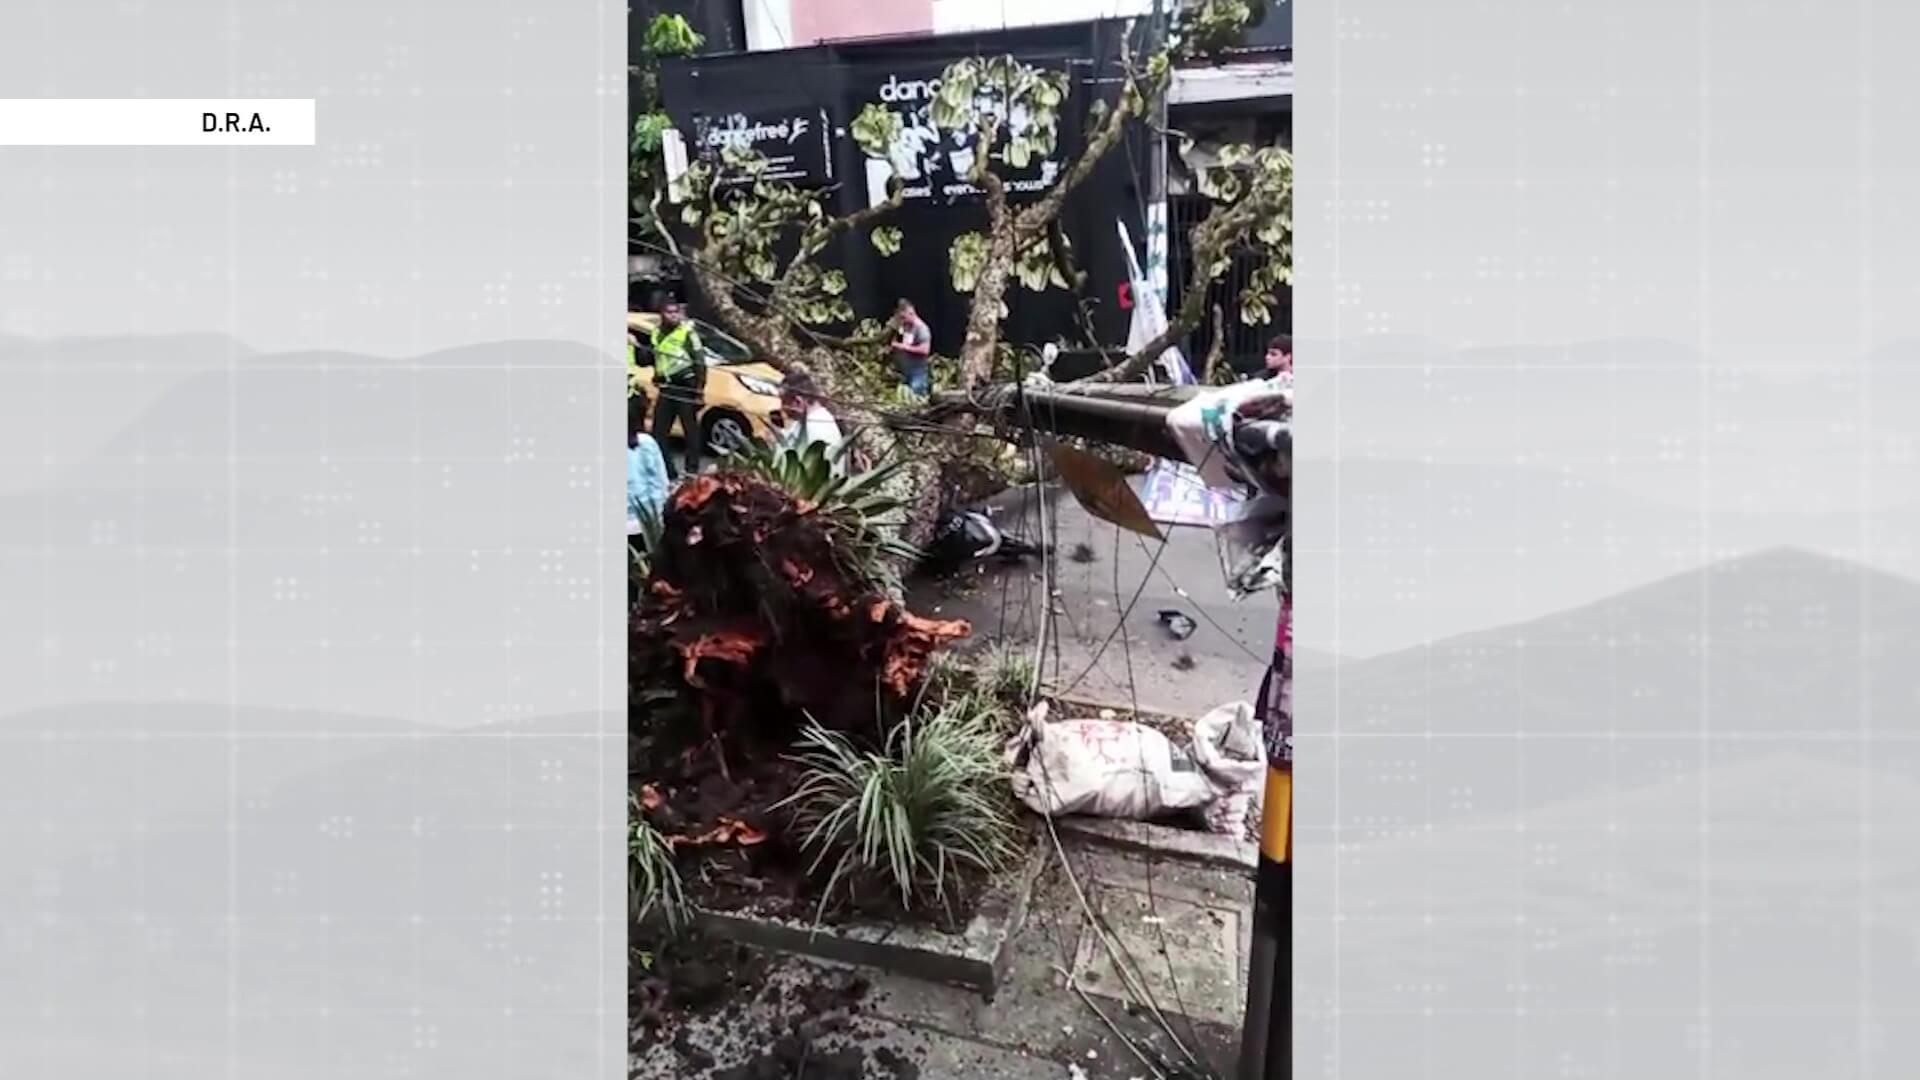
(859, 219)
(990, 288)
(1215, 350)
(1211, 240)
(1076, 281)
(767, 335)
(781, 295)
(1037, 216)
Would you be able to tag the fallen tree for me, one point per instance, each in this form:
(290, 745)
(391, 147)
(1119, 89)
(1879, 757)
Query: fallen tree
(761, 248)
(762, 611)
(771, 665)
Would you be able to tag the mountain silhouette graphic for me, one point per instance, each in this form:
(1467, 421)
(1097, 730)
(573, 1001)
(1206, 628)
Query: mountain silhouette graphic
(1783, 649)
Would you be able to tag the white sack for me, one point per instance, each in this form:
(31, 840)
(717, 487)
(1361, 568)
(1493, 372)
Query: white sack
(1227, 746)
(1106, 768)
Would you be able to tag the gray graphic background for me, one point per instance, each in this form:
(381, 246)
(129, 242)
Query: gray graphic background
(310, 574)
(1611, 360)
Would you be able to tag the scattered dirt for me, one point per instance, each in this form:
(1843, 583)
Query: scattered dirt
(794, 1055)
(813, 1028)
(897, 1065)
(688, 975)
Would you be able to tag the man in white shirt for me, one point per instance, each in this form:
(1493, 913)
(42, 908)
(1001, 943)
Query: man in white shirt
(807, 421)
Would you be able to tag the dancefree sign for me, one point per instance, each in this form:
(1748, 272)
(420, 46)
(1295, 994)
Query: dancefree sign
(794, 145)
(932, 164)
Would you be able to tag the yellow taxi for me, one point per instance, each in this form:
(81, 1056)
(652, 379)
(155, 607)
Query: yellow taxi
(742, 394)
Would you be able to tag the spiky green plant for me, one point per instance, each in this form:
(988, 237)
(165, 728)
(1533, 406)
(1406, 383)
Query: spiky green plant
(858, 505)
(1009, 674)
(653, 883)
(930, 806)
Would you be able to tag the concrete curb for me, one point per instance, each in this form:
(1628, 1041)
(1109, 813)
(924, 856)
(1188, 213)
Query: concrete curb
(1183, 844)
(975, 958)
(1093, 706)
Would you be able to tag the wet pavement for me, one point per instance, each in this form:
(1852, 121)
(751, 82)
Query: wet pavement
(1099, 570)
(1178, 931)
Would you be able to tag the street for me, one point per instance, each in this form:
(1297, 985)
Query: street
(1223, 661)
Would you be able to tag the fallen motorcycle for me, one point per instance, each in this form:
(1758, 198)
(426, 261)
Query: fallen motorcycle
(965, 536)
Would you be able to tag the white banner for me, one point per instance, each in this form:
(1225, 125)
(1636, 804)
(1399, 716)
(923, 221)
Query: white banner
(1173, 492)
(156, 122)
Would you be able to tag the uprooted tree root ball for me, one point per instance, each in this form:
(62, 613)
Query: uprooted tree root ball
(758, 619)
(755, 596)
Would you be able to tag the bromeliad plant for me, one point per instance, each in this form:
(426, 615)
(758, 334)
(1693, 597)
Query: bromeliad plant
(928, 808)
(860, 506)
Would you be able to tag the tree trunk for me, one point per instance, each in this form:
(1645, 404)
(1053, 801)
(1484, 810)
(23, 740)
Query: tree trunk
(982, 345)
(766, 334)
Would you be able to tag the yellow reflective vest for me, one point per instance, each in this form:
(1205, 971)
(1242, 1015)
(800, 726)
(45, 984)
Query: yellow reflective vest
(674, 351)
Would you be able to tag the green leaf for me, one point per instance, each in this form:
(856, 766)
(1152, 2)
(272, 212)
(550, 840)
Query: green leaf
(672, 35)
(886, 239)
(818, 469)
(966, 257)
(648, 128)
(947, 116)
(876, 129)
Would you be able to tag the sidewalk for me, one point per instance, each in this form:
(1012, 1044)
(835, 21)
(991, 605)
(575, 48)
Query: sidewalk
(1186, 926)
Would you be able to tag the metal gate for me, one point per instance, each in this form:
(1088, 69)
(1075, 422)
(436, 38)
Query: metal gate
(1246, 345)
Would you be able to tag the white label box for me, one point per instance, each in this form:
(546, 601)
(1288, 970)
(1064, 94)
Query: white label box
(223, 122)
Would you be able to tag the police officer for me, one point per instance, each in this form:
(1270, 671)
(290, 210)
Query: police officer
(679, 365)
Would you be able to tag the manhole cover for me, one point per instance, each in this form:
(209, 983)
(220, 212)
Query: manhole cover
(1186, 954)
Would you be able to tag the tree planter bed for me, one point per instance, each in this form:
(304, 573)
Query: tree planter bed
(974, 957)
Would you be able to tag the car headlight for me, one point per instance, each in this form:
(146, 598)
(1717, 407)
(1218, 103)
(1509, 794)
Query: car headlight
(759, 386)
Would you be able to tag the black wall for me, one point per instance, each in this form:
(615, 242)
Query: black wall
(1273, 28)
(719, 21)
(842, 78)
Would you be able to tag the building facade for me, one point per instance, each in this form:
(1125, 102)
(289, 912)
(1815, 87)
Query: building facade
(793, 73)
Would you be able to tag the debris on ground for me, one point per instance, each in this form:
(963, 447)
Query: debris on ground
(709, 1002)
(1178, 623)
